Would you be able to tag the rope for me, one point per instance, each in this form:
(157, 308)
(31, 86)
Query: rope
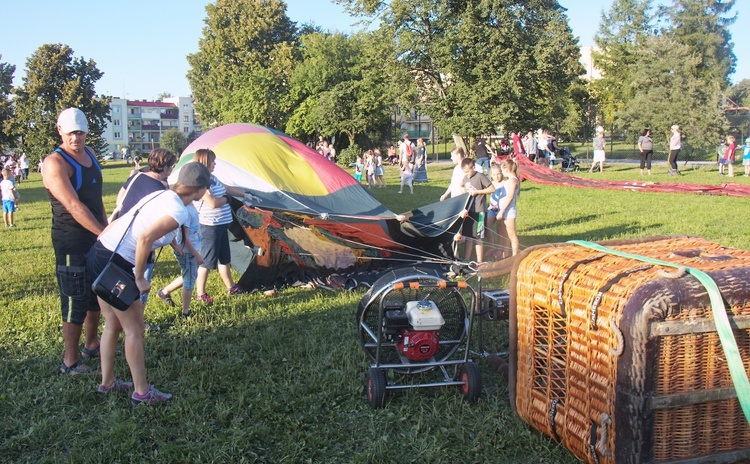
(723, 328)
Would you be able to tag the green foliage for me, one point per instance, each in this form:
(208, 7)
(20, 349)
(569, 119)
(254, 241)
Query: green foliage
(241, 69)
(668, 90)
(702, 25)
(622, 33)
(478, 66)
(349, 155)
(337, 87)
(54, 81)
(6, 109)
(174, 141)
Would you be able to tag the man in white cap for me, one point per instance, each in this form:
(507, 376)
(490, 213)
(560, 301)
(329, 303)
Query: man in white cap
(73, 180)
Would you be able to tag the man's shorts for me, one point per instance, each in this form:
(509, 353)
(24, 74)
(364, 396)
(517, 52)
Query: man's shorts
(76, 297)
(9, 206)
(470, 226)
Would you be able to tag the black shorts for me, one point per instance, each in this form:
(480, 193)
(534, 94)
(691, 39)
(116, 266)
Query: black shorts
(74, 283)
(470, 228)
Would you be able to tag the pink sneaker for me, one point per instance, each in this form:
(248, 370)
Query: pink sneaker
(204, 298)
(152, 397)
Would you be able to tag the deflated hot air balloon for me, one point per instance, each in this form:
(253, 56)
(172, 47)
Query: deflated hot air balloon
(304, 218)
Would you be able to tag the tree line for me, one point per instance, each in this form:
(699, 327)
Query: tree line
(474, 66)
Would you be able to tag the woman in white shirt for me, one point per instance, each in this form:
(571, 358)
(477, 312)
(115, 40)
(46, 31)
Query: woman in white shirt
(150, 224)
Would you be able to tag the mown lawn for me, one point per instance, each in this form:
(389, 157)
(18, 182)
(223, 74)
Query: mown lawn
(281, 379)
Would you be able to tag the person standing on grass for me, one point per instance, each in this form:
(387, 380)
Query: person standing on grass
(215, 216)
(10, 198)
(73, 180)
(675, 144)
(746, 156)
(188, 242)
(407, 173)
(456, 186)
(23, 163)
(150, 224)
(477, 185)
(599, 145)
(502, 210)
(379, 169)
(646, 147)
(728, 156)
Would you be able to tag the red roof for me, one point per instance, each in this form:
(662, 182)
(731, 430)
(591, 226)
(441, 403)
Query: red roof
(151, 104)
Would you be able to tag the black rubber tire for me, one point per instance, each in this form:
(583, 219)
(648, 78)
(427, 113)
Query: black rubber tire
(376, 382)
(472, 381)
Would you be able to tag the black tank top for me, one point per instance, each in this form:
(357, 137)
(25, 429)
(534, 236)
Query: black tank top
(68, 236)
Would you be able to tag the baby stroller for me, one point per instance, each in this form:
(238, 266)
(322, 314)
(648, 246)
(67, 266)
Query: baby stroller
(568, 162)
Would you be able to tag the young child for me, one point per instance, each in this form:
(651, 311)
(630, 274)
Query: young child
(478, 186)
(502, 210)
(746, 156)
(186, 251)
(379, 169)
(10, 198)
(359, 167)
(728, 158)
(370, 167)
(407, 175)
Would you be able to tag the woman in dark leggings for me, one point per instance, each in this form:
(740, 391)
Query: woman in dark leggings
(646, 147)
(675, 143)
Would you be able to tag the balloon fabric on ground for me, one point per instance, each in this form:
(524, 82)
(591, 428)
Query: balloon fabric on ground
(310, 218)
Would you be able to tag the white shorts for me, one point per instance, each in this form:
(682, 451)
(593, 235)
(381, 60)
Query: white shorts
(599, 155)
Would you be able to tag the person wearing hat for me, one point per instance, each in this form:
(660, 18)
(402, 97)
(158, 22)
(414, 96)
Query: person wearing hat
(73, 180)
(150, 224)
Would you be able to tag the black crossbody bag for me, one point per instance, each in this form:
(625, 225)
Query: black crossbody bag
(115, 285)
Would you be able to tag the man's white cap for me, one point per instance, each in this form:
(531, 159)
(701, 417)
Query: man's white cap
(71, 120)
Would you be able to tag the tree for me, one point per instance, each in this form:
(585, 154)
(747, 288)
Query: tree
(335, 86)
(622, 33)
(480, 65)
(6, 109)
(668, 89)
(174, 141)
(702, 25)
(54, 81)
(241, 70)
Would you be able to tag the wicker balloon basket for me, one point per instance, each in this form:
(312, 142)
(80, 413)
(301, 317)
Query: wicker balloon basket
(619, 359)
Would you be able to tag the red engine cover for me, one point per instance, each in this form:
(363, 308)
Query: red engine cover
(419, 345)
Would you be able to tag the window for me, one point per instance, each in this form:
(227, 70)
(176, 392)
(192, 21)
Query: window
(186, 118)
(117, 135)
(116, 110)
(116, 122)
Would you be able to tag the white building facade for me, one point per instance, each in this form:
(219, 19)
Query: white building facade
(139, 124)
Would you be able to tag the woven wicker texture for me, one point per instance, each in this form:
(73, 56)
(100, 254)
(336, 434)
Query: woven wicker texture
(617, 358)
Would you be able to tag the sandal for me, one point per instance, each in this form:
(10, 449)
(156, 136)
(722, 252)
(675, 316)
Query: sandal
(78, 368)
(165, 298)
(187, 314)
(90, 354)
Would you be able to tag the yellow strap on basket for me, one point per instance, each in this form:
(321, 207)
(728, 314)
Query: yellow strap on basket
(728, 343)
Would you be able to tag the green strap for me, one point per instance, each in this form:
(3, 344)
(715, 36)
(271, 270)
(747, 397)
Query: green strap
(728, 343)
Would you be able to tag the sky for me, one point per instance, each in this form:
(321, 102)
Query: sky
(141, 46)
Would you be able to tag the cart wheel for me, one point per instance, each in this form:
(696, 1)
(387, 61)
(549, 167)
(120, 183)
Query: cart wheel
(472, 381)
(376, 380)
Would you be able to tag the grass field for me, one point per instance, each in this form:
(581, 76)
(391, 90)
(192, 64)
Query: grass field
(259, 379)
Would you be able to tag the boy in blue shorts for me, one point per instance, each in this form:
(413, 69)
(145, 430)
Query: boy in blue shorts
(10, 198)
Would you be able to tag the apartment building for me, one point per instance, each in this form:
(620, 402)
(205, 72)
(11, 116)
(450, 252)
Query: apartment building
(139, 124)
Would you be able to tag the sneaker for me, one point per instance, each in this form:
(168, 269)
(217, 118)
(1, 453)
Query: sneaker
(152, 397)
(237, 290)
(119, 386)
(204, 298)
